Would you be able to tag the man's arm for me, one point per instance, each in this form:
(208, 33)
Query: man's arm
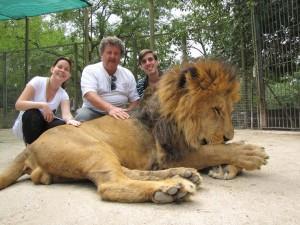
(111, 110)
(132, 105)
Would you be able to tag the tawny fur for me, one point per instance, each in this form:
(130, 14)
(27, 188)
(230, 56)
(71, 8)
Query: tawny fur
(185, 123)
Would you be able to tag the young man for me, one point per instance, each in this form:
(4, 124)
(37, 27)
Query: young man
(149, 64)
(107, 87)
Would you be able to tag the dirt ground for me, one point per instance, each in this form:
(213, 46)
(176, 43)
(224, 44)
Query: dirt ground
(270, 196)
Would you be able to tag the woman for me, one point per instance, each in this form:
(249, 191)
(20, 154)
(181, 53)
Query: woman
(39, 101)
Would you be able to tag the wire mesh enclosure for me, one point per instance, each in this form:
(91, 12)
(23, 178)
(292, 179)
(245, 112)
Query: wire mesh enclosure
(277, 47)
(270, 94)
(40, 61)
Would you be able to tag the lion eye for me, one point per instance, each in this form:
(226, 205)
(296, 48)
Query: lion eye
(217, 111)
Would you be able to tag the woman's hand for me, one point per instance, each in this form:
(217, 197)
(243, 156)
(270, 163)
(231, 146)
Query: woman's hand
(73, 122)
(47, 112)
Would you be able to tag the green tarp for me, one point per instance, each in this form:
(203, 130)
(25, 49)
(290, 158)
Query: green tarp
(18, 9)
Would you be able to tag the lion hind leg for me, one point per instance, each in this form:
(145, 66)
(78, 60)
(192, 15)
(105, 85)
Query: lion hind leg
(38, 176)
(113, 185)
(190, 174)
(224, 172)
(170, 190)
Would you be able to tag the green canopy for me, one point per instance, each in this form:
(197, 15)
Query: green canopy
(18, 9)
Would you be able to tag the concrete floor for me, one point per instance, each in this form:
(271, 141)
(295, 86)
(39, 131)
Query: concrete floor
(267, 197)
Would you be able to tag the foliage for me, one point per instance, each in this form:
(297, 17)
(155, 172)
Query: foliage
(184, 29)
(41, 33)
(201, 26)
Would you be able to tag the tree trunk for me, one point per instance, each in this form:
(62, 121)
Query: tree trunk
(86, 36)
(151, 22)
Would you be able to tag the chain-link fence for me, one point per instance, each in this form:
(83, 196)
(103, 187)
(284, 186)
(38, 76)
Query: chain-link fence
(277, 47)
(40, 60)
(270, 94)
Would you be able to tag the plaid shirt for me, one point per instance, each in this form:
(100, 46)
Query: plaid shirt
(141, 85)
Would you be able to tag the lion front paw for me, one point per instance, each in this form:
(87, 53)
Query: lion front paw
(250, 157)
(224, 172)
(174, 190)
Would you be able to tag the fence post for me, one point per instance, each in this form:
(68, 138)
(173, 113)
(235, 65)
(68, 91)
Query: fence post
(86, 37)
(4, 57)
(258, 65)
(151, 22)
(135, 53)
(26, 53)
(75, 106)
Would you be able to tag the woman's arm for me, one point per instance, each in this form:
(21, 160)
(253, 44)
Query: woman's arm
(66, 113)
(25, 102)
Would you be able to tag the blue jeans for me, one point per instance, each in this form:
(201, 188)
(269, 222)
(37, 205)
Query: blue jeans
(85, 114)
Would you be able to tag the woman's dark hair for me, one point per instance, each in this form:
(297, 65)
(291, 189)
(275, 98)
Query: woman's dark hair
(64, 84)
(62, 58)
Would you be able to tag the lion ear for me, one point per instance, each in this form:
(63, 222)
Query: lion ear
(181, 80)
(191, 72)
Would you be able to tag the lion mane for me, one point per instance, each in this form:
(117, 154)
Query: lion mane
(174, 112)
(154, 156)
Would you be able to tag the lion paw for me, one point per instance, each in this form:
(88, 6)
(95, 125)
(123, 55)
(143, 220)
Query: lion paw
(250, 157)
(38, 176)
(175, 190)
(225, 172)
(190, 174)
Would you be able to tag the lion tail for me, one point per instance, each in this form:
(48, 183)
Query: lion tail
(14, 170)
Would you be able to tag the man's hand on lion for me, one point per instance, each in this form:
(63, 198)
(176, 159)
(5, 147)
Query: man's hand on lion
(118, 113)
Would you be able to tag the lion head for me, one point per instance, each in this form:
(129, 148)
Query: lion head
(199, 97)
(192, 106)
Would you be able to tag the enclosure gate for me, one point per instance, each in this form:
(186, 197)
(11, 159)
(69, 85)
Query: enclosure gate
(277, 71)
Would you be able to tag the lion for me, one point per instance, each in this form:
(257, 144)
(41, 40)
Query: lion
(154, 156)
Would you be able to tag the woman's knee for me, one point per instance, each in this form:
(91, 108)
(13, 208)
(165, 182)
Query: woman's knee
(33, 125)
(32, 115)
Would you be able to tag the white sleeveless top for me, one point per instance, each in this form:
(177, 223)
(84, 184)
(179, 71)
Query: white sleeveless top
(40, 87)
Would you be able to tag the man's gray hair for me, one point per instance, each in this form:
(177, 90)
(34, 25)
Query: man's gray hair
(111, 40)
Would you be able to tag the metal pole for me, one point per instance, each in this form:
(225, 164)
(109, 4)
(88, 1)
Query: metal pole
(26, 50)
(86, 37)
(258, 63)
(4, 56)
(151, 22)
(76, 83)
